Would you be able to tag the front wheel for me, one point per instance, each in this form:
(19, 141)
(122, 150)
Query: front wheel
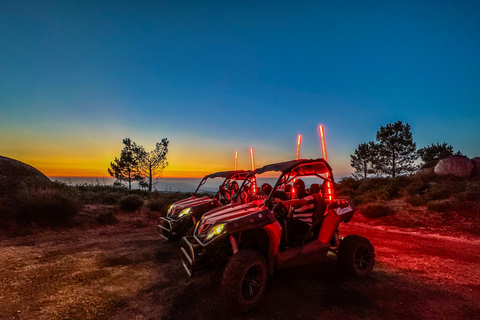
(356, 255)
(244, 280)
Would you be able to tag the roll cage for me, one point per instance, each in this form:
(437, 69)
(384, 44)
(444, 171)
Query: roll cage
(291, 170)
(228, 176)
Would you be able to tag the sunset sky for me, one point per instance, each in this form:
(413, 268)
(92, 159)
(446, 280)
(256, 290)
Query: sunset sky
(215, 77)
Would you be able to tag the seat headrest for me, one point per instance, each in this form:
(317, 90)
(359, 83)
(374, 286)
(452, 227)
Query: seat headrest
(314, 188)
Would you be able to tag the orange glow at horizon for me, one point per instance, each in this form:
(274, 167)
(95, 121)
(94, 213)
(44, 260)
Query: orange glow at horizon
(299, 142)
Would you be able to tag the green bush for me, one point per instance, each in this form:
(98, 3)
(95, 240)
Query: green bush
(377, 211)
(131, 202)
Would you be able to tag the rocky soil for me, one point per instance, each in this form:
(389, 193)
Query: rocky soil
(126, 272)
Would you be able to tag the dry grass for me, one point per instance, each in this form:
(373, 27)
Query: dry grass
(124, 271)
(77, 274)
(418, 201)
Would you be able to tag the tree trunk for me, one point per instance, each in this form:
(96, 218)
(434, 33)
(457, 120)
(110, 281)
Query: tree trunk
(364, 170)
(129, 179)
(150, 178)
(393, 164)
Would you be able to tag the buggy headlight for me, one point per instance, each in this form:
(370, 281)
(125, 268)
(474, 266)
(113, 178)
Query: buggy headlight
(169, 209)
(215, 231)
(184, 212)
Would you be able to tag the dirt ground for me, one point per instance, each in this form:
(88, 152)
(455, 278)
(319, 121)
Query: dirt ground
(127, 272)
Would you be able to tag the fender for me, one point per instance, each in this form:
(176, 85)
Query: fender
(337, 211)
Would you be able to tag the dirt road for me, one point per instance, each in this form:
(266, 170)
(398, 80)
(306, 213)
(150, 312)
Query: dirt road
(127, 272)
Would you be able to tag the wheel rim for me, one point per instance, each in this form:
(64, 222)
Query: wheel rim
(362, 258)
(252, 282)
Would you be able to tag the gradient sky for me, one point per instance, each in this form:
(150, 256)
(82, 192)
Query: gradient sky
(215, 77)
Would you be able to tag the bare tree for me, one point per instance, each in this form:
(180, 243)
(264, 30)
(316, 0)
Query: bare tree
(151, 164)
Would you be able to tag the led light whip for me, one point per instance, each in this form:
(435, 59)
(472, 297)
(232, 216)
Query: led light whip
(236, 160)
(251, 158)
(299, 142)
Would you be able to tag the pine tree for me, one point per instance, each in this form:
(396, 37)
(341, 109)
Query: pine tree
(436, 152)
(362, 160)
(125, 169)
(396, 151)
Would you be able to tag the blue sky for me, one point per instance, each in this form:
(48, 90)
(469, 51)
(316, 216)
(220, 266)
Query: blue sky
(76, 77)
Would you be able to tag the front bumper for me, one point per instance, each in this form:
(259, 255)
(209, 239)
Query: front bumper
(190, 252)
(168, 228)
(196, 254)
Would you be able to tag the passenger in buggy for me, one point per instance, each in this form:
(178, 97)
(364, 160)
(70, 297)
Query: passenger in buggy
(223, 196)
(305, 209)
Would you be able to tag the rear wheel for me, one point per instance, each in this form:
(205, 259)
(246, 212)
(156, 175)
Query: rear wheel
(356, 255)
(244, 280)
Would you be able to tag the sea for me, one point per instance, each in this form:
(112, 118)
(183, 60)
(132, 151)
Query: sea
(163, 185)
(186, 185)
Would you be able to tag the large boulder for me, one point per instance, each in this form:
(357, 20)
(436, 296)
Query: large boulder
(476, 166)
(427, 168)
(15, 175)
(459, 166)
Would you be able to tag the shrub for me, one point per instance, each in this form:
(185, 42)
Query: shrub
(439, 206)
(364, 198)
(46, 207)
(158, 205)
(377, 211)
(388, 192)
(131, 202)
(416, 200)
(110, 198)
(347, 187)
(107, 216)
(416, 187)
(438, 193)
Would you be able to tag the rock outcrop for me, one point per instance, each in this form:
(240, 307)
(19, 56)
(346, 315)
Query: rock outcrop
(476, 166)
(459, 166)
(15, 175)
(427, 168)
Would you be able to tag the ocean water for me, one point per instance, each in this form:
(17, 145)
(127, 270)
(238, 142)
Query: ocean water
(164, 184)
(167, 184)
